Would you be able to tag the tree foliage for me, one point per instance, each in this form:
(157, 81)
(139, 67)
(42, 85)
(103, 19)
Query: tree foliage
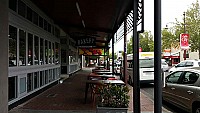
(170, 38)
(145, 42)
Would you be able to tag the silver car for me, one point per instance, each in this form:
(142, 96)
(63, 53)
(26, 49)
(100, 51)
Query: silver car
(182, 89)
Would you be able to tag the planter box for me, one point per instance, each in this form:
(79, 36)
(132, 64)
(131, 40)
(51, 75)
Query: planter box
(111, 110)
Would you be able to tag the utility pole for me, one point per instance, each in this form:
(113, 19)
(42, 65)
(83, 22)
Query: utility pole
(184, 54)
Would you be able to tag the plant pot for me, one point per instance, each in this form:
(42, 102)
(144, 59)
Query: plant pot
(111, 110)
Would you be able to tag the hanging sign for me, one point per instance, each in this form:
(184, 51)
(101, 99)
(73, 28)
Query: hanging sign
(184, 41)
(85, 41)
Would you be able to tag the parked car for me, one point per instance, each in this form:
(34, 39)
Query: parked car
(185, 64)
(182, 89)
(164, 65)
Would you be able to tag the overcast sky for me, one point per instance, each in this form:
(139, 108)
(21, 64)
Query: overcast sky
(171, 9)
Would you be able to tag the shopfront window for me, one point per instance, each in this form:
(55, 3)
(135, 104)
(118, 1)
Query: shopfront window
(50, 53)
(22, 48)
(41, 51)
(46, 52)
(36, 80)
(57, 50)
(30, 49)
(29, 82)
(22, 85)
(36, 50)
(12, 46)
(12, 88)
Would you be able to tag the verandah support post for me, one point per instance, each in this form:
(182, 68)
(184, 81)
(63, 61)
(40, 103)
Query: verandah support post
(125, 52)
(135, 75)
(157, 58)
(113, 54)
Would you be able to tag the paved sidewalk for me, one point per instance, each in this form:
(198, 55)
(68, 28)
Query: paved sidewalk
(68, 97)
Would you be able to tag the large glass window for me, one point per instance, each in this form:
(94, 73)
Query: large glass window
(50, 75)
(41, 78)
(45, 25)
(41, 51)
(29, 14)
(36, 80)
(46, 52)
(22, 85)
(12, 88)
(50, 53)
(29, 82)
(21, 8)
(49, 27)
(13, 5)
(53, 52)
(30, 49)
(35, 18)
(46, 76)
(40, 21)
(36, 50)
(57, 50)
(22, 48)
(12, 46)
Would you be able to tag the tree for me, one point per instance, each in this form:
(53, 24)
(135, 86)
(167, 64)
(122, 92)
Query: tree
(192, 26)
(169, 39)
(145, 41)
(115, 56)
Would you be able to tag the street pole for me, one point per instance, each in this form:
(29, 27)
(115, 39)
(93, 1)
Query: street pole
(184, 54)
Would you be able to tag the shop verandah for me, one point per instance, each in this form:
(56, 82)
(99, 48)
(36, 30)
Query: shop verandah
(80, 24)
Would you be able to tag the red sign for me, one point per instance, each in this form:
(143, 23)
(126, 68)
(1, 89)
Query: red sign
(184, 41)
(140, 49)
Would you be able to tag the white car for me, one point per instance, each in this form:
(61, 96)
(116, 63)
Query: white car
(185, 64)
(164, 66)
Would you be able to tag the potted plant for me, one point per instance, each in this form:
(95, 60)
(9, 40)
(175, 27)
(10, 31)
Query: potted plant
(112, 99)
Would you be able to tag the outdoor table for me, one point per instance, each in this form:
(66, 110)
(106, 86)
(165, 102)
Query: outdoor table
(103, 77)
(99, 67)
(100, 82)
(106, 73)
(100, 70)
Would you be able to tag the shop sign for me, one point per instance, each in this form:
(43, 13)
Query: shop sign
(86, 42)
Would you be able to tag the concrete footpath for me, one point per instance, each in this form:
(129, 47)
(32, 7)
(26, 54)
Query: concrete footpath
(68, 97)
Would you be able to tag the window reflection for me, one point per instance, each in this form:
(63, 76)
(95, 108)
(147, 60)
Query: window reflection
(22, 48)
(57, 49)
(41, 51)
(12, 46)
(30, 49)
(46, 52)
(50, 53)
(36, 50)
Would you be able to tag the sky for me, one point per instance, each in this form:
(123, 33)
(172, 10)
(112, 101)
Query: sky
(171, 9)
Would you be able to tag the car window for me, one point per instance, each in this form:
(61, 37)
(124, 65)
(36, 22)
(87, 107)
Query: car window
(190, 78)
(164, 63)
(189, 64)
(174, 77)
(181, 64)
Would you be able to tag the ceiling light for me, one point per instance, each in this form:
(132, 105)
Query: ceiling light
(78, 8)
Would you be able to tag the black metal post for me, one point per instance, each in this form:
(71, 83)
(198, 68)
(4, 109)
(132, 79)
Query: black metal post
(135, 46)
(184, 54)
(113, 54)
(157, 58)
(125, 53)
